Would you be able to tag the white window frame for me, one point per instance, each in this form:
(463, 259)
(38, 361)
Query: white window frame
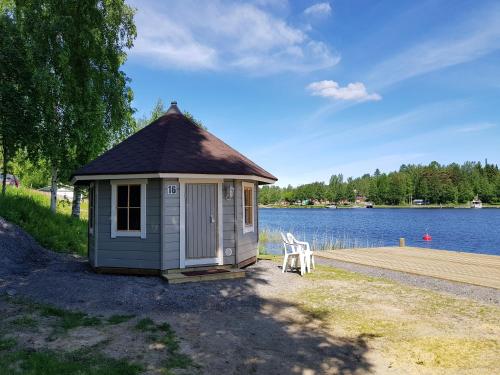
(125, 233)
(248, 228)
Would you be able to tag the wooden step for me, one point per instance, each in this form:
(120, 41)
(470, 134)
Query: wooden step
(200, 268)
(178, 277)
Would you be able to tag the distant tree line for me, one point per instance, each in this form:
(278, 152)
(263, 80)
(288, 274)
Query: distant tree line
(433, 183)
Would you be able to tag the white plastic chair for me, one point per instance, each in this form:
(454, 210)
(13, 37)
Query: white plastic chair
(292, 254)
(305, 248)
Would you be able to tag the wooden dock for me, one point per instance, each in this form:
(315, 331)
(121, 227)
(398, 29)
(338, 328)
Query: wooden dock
(477, 269)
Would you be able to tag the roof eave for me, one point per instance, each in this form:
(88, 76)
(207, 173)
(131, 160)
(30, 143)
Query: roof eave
(95, 177)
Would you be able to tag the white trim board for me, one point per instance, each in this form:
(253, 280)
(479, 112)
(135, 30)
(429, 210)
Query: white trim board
(140, 233)
(172, 175)
(248, 228)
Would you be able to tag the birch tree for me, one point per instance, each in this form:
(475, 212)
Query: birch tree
(78, 47)
(16, 123)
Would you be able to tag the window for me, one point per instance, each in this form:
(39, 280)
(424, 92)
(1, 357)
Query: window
(91, 208)
(128, 208)
(248, 207)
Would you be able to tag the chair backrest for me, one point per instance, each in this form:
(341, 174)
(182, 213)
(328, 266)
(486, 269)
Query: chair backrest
(293, 242)
(291, 238)
(286, 244)
(299, 246)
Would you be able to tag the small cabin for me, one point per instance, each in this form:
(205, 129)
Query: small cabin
(172, 196)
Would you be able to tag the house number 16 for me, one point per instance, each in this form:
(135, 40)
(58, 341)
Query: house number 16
(171, 189)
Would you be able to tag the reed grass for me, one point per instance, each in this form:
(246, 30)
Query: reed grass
(270, 241)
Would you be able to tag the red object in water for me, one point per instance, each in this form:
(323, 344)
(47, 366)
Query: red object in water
(427, 237)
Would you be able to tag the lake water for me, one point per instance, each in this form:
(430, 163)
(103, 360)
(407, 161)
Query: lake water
(469, 230)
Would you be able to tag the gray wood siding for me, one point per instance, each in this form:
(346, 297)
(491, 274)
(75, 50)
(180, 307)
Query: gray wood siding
(171, 226)
(247, 243)
(91, 252)
(130, 252)
(228, 226)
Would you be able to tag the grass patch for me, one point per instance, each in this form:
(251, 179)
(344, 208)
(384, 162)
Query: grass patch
(69, 319)
(414, 327)
(329, 273)
(146, 324)
(117, 319)
(81, 362)
(271, 257)
(451, 353)
(25, 322)
(7, 343)
(163, 333)
(60, 232)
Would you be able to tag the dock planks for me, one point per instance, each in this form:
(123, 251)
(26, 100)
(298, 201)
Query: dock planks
(477, 269)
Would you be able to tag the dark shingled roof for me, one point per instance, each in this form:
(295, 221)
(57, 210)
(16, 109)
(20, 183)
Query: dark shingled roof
(173, 144)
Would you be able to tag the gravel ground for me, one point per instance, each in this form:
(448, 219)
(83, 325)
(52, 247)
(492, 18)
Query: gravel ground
(478, 293)
(245, 319)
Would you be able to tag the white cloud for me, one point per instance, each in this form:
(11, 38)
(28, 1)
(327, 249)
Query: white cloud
(319, 9)
(353, 91)
(469, 40)
(221, 35)
(476, 127)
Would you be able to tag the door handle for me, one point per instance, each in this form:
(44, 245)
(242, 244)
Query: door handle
(212, 220)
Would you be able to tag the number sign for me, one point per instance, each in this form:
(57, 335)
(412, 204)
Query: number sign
(171, 189)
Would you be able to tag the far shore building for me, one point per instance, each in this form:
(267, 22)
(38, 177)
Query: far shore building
(172, 196)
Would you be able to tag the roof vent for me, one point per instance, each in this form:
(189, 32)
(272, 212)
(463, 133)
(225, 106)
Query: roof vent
(173, 110)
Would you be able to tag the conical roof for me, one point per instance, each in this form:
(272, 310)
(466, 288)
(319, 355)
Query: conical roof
(173, 144)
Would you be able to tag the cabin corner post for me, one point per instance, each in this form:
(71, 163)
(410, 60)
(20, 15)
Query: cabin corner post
(220, 224)
(162, 213)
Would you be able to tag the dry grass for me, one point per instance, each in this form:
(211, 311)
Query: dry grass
(415, 330)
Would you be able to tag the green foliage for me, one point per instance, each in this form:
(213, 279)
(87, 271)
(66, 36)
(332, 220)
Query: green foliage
(157, 111)
(30, 210)
(194, 120)
(81, 362)
(435, 183)
(32, 173)
(81, 99)
(7, 343)
(16, 89)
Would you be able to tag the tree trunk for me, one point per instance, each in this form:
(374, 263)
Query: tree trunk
(4, 179)
(77, 198)
(53, 190)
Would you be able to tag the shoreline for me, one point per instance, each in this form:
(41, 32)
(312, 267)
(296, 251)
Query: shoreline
(381, 206)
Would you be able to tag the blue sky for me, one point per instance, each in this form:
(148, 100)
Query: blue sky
(308, 89)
